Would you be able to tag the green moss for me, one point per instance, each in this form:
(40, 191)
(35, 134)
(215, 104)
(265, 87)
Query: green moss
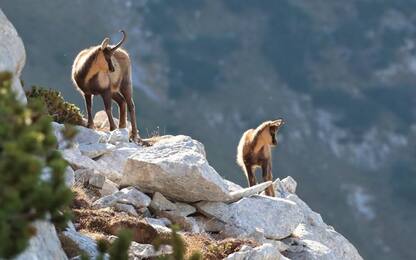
(32, 172)
(60, 110)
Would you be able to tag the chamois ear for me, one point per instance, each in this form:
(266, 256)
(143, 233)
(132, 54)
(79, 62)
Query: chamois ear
(277, 122)
(105, 43)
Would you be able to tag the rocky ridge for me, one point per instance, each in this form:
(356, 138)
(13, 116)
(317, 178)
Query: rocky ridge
(172, 182)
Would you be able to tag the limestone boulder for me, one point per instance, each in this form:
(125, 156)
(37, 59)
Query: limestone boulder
(275, 217)
(12, 54)
(177, 168)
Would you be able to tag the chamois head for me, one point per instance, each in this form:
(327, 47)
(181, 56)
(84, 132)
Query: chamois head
(109, 51)
(274, 128)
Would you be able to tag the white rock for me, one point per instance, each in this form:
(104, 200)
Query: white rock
(290, 184)
(146, 251)
(129, 209)
(108, 188)
(177, 168)
(95, 150)
(57, 130)
(159, 202)
(89, 136)
(45, 244)
(82, 176)
(231, 186)
(159, 224)
(97, 181)
(119, 135)
(12, 55)
(320, 242)
(276, 218)
(78, 161)
(263, 252)
(250, 191)
(184, 209)
(210, 224)
(83, 242)
(115, 161)
(69, 177)
(128, 195)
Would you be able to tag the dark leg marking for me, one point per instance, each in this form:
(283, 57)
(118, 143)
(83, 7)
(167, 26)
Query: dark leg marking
(122, 106)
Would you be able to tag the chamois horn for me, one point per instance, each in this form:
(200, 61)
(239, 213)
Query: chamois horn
(121, 42)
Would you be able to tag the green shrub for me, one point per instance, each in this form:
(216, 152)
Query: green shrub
(32, 172)
(60, 110)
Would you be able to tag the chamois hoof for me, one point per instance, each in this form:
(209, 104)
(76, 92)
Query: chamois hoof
(139, 141)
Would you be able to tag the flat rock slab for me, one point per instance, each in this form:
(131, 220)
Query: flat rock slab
(177, 168)
(276, 218)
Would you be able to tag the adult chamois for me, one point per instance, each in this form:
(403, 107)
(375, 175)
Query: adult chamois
(106, 71)
(254, 150)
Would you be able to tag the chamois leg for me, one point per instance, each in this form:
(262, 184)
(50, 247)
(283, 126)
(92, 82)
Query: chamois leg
(88, 104)
(251, 176)
(107, 105)
(122, 106)
(126, 91)
(266, 168)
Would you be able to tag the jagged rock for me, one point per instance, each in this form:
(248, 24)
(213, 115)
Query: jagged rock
(320, 242)
(115, 161)
(160, 224)
(184, 209)
(57, 130)
(78, 161)
(97, 181)
(147, 251)
(177, 168)
(12, 55)
(45, 244)
(188, 224)
(263, 252)
(313, 239)
(84, 243)
(290, 184)
(101, 121)
(129, 209)
(119, 135)
(247, 192)
(231, 186)
(276, 218)
(128, 195)
(69, 177)
(89, 136)
(108, 188)
(159, 202)
(82, 176)
(95, 150)
(210, 224)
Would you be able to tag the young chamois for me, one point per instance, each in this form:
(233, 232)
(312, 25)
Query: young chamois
(106, 71)
(254, 150)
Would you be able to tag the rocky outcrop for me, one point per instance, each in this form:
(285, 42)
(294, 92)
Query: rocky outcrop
(263, 252)
(172, 182)
(274, 217)
(12, 54)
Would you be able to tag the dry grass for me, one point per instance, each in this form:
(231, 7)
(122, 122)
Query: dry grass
(212, 249)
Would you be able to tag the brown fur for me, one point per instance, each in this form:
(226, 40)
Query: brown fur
(106, 71)
(254, 150)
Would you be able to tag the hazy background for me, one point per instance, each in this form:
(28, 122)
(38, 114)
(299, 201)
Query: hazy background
(342, 74)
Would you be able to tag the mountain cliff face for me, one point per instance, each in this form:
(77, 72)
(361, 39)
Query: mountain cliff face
(341, 74)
